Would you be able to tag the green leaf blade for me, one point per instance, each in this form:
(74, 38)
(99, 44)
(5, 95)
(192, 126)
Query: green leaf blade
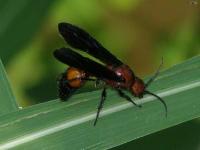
(7, 100)
(58, 125)
(19, 22)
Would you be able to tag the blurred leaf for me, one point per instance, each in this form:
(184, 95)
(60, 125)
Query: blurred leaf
(59, 125)
(126, 5)
(19, 21)
(169, 139)
(7, 100)
(181, 42)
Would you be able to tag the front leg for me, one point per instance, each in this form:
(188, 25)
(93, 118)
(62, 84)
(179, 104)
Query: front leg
(122, 94)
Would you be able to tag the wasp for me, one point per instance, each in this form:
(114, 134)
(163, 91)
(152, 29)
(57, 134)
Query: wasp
(114, 73)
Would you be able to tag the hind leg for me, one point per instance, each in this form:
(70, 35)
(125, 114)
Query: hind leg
(100, 106)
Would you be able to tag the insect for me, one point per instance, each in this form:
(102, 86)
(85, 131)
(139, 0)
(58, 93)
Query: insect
(114, 73)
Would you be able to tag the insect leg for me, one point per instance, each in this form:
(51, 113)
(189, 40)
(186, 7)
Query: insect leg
(100, 106)
(97, 82)
(64, 89)
(122, 94)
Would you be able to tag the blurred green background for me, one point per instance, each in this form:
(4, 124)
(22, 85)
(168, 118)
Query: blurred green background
(138, 32)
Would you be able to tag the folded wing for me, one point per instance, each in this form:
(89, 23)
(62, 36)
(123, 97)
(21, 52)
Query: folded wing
(80, 39)
(71, 58)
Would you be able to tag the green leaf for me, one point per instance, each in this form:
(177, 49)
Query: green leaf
(60, 125)
(7, 100)
(168, 138)
(19, 21)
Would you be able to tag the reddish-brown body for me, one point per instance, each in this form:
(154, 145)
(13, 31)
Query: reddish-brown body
(125, 73)
(75, 78)
(131, 82)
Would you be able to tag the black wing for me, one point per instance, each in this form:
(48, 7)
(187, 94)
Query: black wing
(80, 39)
(74, 59)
